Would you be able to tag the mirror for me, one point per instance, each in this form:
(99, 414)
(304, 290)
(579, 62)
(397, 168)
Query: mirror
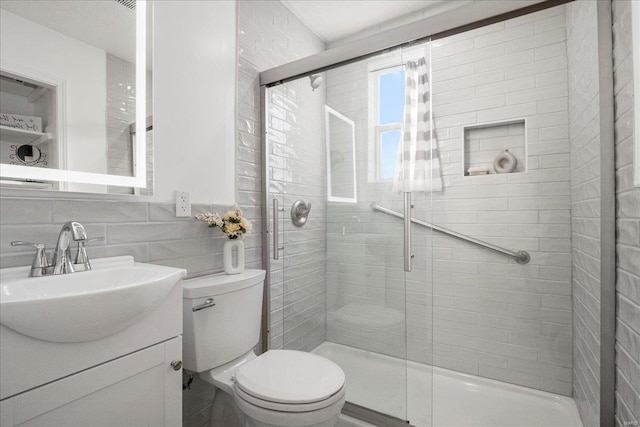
(341, 157)
(71, 75)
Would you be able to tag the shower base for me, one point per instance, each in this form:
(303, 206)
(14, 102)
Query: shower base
(405, 389)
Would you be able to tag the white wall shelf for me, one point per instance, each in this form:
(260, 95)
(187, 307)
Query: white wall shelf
(21, 136)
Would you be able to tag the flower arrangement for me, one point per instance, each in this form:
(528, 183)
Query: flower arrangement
(232, 223)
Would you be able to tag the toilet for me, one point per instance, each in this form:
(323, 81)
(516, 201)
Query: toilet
(279, 388)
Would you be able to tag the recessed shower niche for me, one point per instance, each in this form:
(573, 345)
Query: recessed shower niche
(491, 148)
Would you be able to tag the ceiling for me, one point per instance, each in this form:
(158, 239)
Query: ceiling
(332, 20)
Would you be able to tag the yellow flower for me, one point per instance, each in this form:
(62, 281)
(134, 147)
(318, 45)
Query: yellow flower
(232, 228)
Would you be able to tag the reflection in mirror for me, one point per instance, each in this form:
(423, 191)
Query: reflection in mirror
(341, 157)
(70, 74)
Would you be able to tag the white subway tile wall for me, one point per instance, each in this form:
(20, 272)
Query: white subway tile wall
(628, 222)
(148, 231)
(271, 35)
(584, 132)
(297, 168)
(490, 316)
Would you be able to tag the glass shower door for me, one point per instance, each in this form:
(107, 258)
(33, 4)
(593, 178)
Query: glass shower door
(339, 285)
(366, 329)
(276, 162)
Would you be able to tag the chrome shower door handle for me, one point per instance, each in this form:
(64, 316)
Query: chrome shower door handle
(407, 232)
(276, 231)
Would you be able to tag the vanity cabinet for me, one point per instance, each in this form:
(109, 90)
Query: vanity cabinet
(139, 389)
(102, 348)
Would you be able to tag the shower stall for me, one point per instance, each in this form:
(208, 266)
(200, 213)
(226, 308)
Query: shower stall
(430, 207)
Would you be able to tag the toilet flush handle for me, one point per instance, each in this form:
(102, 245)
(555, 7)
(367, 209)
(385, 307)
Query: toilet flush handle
(209, 302)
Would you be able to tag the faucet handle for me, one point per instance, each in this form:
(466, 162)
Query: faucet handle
(23, 243)
(40, 262)
(94, 239)
(82, 259)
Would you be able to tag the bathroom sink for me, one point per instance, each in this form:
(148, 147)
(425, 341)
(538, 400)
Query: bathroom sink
(84, 306)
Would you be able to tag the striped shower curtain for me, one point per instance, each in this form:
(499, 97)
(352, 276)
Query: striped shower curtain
(418, 164)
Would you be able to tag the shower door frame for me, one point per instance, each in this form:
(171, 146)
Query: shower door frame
(475, 15)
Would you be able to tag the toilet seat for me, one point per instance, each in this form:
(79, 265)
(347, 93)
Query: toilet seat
(289, 407)
(289, 381)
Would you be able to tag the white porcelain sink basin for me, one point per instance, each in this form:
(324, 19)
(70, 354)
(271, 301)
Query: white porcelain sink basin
(84, 306)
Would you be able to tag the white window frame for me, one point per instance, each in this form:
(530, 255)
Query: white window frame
(376, 71)
(379, 130)
(377, 67)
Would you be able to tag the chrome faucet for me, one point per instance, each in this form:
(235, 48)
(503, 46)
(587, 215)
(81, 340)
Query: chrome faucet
(62, 256)
(62, 263)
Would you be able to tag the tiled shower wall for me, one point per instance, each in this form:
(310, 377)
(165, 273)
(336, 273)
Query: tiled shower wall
(584, 133)
(271, 35)
(522, 314)
(297, 170)
(628, 224)
(491, 316)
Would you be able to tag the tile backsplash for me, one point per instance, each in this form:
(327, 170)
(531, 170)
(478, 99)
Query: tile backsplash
(149, 232)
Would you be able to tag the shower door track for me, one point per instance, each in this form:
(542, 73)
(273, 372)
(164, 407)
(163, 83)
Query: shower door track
(521, 257)
(458, 20)
(372, 416)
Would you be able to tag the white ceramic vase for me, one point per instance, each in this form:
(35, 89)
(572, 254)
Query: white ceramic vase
(228, 258)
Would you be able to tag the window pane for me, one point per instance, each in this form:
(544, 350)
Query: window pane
(389, 142)
(391, 97)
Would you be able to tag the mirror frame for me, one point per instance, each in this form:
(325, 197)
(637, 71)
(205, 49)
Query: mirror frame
(635, 46)
(328, 111)
(138, 180)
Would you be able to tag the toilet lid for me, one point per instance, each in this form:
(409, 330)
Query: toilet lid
(289, 376)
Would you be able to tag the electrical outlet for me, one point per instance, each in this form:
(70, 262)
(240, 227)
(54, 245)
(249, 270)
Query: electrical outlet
(183, 204)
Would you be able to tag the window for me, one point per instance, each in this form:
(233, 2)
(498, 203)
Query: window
(388, 109)
(386, 98)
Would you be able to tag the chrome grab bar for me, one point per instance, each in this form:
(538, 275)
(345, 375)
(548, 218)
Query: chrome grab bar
(521, 257)
(209, 302)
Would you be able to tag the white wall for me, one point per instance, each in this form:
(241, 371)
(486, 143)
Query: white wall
(34, 51)
(194, 100)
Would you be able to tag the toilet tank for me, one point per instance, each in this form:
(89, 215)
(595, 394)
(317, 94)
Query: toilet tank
(222, 332)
